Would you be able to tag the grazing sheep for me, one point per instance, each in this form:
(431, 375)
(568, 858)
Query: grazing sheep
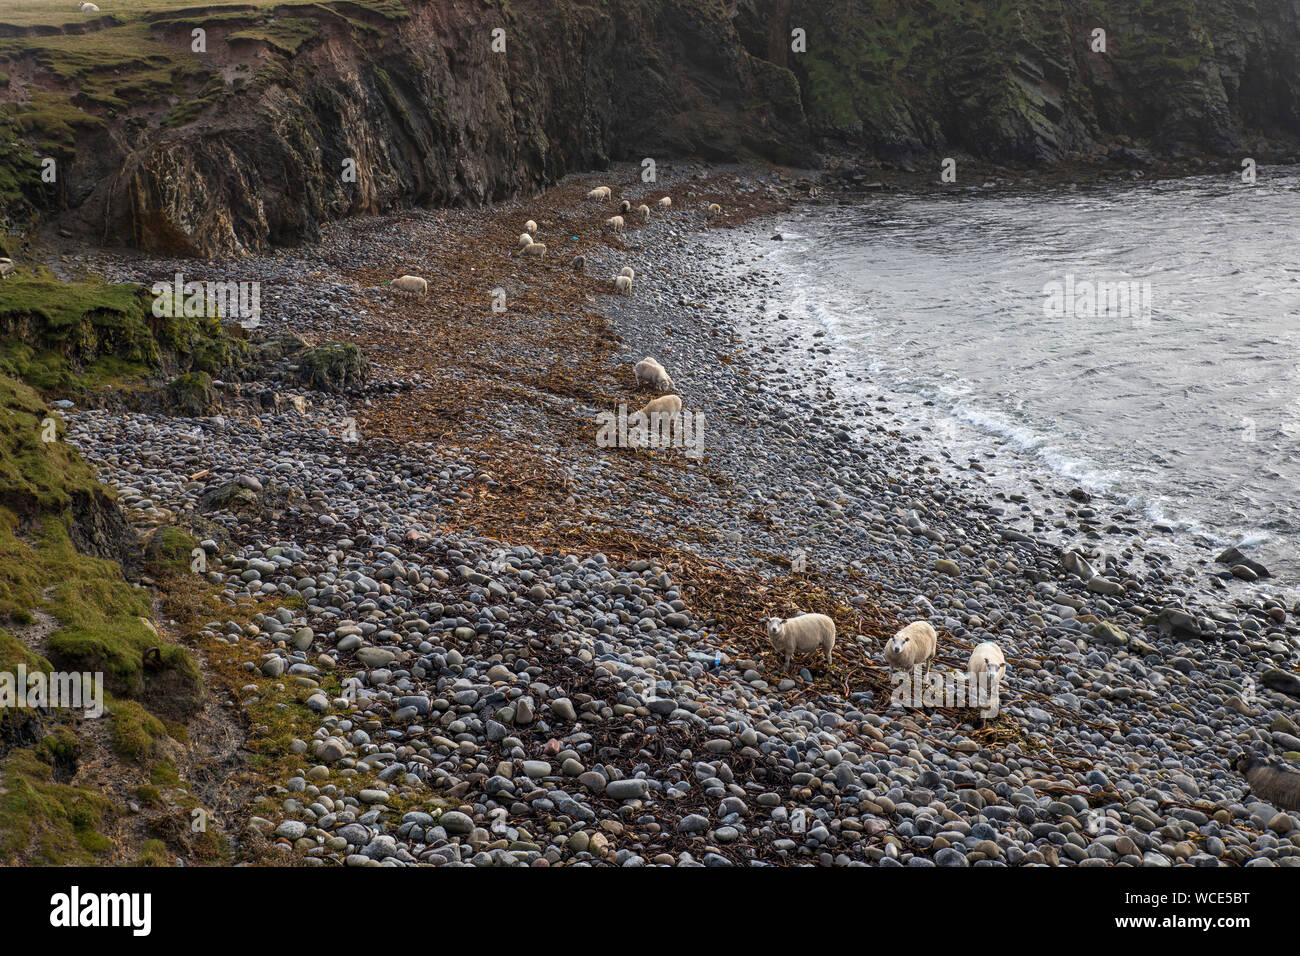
(665, 202)
(537, 249)
(580, 264)
(913, 645)
(600, 192)
(623, 284)
(1273, 784)
(650, 372)
(87, 7)
(663, 405)
(625, 207)
(658, 419)
(714, 210)
(644, 211)
(6, 268)
(530, 226)
(525, 240)
(627, 271)
(614, 223)
(987, 658)
(412, 284)
(807, 632)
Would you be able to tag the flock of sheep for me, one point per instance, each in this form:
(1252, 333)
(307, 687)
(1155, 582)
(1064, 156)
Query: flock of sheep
(648, 371)
(530, 247)
(914, 646)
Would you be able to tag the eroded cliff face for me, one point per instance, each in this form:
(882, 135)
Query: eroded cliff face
(1031, 81)
(254, 141)
(372, 111)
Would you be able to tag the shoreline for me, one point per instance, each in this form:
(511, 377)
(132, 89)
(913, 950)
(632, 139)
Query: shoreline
(979, 441)
(497, 413)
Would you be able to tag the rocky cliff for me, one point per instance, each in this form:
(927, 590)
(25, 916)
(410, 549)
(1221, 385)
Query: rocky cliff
(253, 140)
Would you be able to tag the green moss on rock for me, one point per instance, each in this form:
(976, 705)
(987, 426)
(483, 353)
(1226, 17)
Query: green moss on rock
(192, 395)
(333, 367)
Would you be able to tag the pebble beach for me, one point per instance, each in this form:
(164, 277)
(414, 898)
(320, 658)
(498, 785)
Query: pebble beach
(515, 647)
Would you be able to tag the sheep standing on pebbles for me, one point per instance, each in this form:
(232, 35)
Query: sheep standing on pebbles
(525, 240)
(537, 249)
(644, 212)
(530, 226)
(665, 202)
(625, 207)
(614, 223)
(600, 192)
(413, 284)
(912, 646)
(807, 632)
(627, 271)
(987, 658)
(714, 210)
(663, 405)
(623, 284)
(648, 371)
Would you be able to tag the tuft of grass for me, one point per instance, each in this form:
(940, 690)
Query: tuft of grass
(46, 822)
(153, 853)
(42, 475)
(136, 732)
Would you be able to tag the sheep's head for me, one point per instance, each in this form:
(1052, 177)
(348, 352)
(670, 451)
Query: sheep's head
(774, 627)
(896, 644)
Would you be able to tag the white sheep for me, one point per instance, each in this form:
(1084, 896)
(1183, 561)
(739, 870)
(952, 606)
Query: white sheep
(537, 249)
(530, 226)
(806, 632)
(525, 240)
(644, 212)
(6, 268)
(987, 659)
(412, 284)
(650, 372)
(663, 405)
(623, 284)
(714, 210)
(600, 192)
(87, 7)
(614, 223)
(912, 646)
(665, 202)
(625, 207)
(627, 271)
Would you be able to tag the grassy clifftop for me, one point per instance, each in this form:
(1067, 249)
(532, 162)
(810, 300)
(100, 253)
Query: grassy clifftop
(66, 601)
